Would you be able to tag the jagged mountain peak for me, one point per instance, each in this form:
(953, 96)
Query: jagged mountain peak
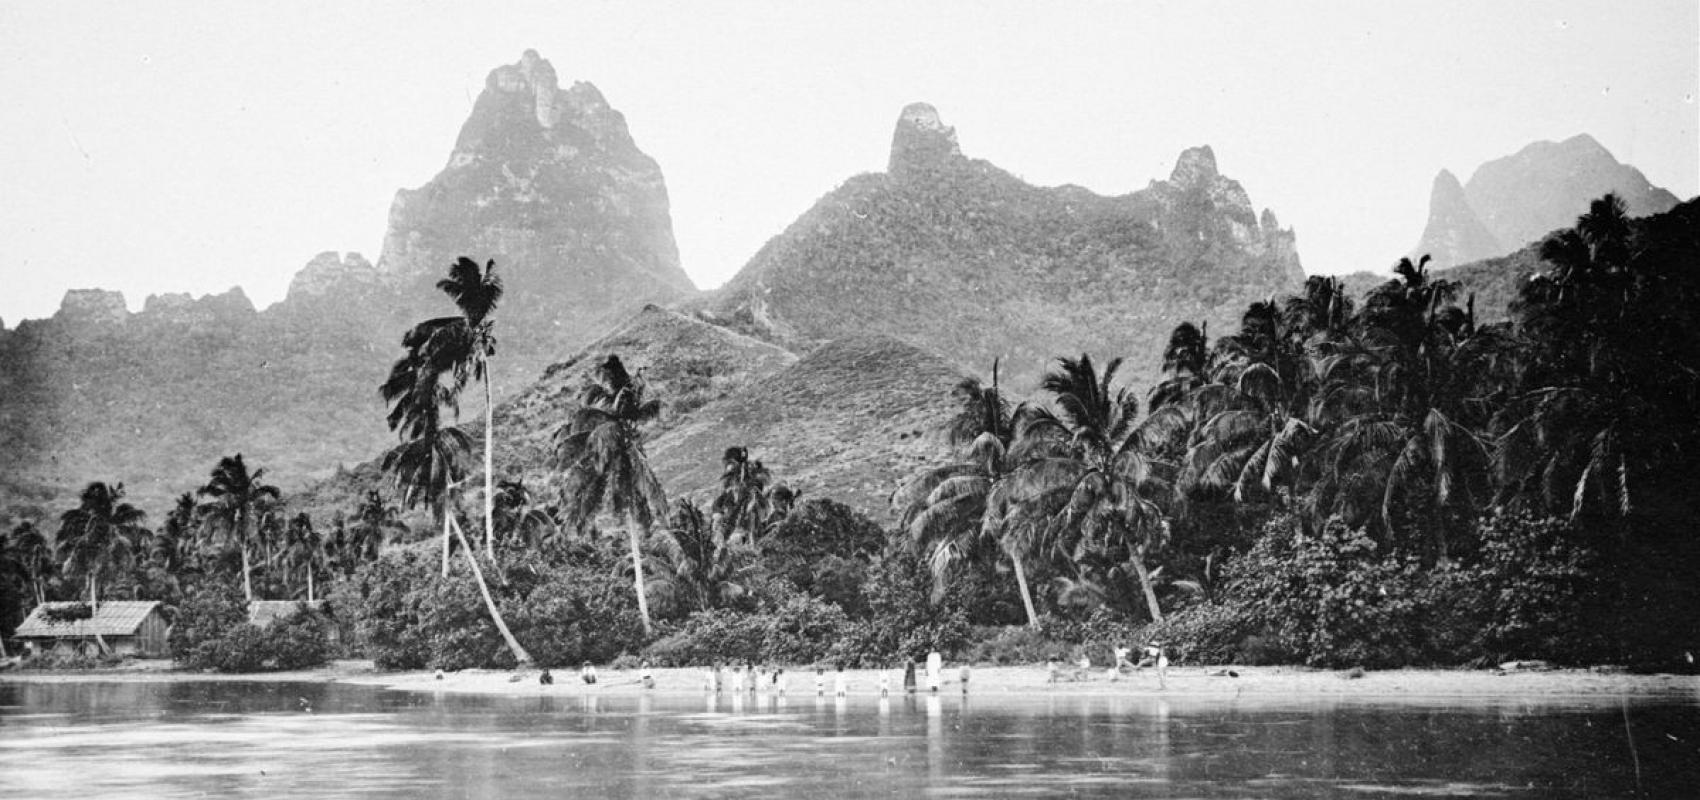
(1454, 234)
(921, 140)
(1196, 166)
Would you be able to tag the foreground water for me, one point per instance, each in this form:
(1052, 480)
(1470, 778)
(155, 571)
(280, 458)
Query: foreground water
(155, 740)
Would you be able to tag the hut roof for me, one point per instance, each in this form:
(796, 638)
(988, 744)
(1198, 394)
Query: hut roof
(111, 618)
(264, 612)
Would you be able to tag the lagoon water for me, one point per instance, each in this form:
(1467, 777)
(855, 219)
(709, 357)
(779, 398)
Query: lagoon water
(224, 739)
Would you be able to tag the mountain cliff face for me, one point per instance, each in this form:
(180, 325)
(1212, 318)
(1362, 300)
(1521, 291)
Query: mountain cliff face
(545, 181)
(961, 258)
(1522, 197)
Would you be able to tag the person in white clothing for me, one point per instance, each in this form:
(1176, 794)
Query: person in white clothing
(935, 670)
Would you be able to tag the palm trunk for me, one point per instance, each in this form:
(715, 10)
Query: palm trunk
(519, 652)
(1026, 596)
(489, 471)
(247, 582)
(443, 511)
(637, 570)
(309, 582)
(1145, 585)
(94, 591)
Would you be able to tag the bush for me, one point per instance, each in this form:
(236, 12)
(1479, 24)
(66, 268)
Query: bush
(299, 641)
(576, 614)
(801, 630)
(1004, 645)
(1327, 598)
(209, 612)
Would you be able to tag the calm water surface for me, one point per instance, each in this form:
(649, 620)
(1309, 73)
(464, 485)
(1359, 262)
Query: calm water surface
(148, 740)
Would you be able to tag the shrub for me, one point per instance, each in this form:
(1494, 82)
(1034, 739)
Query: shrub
(207, 614)
(575, 615)
(1327, 598)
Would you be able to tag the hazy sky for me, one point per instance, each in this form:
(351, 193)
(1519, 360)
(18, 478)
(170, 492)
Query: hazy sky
(155, 147)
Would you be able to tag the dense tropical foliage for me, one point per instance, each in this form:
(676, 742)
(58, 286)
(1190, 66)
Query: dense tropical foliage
(1378, 480)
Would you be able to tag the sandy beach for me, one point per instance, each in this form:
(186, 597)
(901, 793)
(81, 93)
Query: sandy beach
(1021, 681)
(1027, 681)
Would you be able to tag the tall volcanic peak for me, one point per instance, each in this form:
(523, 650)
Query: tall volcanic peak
(958, 256)
(550, 184)
(544, 181)
(1522, 197)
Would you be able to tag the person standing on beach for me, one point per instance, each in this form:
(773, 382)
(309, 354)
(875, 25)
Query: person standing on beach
(839, 688)
(909, 676)
(935, 671)
(587, 673)
(885, 683)
(820, 681)
(645, 675)
(737, 679)
(962, 675)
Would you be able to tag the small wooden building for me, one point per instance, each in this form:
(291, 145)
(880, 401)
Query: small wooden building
(123, 627)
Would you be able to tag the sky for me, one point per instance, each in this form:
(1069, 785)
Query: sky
(190, 147)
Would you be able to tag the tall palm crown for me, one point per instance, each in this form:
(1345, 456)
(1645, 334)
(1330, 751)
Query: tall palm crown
(600, 453)
(743, 503)
(98, 537)
(235, 500)
(442, 355)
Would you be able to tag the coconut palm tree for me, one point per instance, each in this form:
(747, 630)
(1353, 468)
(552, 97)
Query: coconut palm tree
(600, 454)
(97, 538)
(236, 500)
(693, 564)
(743, 504)
(376, 523)
(1100, 492)
(35, 556)
(472, 341)
(948, 511)
(519, 518)
(303, 551)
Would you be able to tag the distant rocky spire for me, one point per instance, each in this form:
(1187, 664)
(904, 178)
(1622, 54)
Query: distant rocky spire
(1454, 234)
(921, 141)
(1195, 167)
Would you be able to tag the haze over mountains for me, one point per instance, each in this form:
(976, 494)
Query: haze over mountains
(830, 354)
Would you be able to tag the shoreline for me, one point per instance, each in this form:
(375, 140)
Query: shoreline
(1202, 683)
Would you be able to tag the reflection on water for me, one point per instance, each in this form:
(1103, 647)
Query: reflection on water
(221, 739)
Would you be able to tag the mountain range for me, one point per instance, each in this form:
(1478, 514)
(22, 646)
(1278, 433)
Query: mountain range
(831, 354)
(1511, 201)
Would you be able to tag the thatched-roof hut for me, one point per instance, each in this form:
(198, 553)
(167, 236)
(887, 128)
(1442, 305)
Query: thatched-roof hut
(123, 627)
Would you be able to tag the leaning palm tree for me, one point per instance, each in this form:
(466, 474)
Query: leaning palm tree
(236, 501)
(426, 470)
(97, 538)
(600, 454)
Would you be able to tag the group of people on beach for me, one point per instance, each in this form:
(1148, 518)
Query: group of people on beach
(751, 677)
(754, 678)
(1151, 655)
